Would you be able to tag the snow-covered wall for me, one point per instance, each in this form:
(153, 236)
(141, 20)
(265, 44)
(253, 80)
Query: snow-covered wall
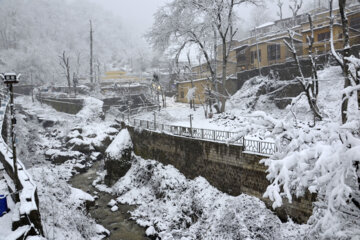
(27, 198)
(226, 167)
(66, 105)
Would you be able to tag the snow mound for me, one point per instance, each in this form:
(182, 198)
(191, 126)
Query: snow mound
(121, 142)
(173, 207)
(92, 109)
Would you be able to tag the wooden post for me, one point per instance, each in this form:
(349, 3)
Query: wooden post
(191, 132)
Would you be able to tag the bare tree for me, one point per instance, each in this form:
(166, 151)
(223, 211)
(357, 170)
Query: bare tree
(295, 6)
(344, 61)
(193, 22)
(65, 64)
(310, 86)
(279, 4)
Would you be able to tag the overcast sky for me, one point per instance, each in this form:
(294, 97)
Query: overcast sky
(137, 15)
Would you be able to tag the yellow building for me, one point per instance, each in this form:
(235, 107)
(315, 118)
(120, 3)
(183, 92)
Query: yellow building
(201, 86)
(203, 71)
(117, 77)
(321, 25)
(271, 50)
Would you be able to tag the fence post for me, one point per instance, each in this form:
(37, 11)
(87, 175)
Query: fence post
(147, 124)
(214, 135)
(259, 146)
(202, 133)
(227, 135)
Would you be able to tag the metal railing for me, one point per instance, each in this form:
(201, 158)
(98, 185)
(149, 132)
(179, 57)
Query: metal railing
(253, 146)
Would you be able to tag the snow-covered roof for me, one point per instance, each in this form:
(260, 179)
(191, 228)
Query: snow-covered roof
(265, 25)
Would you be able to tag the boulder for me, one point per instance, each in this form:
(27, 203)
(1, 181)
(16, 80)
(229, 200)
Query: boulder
(118, 157)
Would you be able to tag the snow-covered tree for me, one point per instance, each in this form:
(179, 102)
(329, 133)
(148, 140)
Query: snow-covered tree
(201, 23)
(349, 64)
(323, 160)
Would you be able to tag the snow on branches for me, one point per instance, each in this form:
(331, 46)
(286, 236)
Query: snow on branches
(324, 161)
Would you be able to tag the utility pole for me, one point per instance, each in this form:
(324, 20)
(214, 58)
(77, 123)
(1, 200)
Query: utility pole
(9, 80)
(91, 54)
(191, 131)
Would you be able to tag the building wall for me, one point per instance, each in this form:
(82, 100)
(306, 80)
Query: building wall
(200, 85)
(226, 167)
(263, 48)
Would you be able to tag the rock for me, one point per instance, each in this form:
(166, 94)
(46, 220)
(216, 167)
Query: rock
(92, 135)
(114, 208)
(116, 126)
(104, 143)
(112, 203)
(118, 157)
(79, 129)
(96, 156)
(80, 168)
(150, 231)
(60, 157)
(100, 230)
(79, 145)
(111, 131)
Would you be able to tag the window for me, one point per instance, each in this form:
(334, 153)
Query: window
(182, 94)
(253, 56)
(322, 37)
(340, 36)
(241, 56)
(273, 51)
(355, 23)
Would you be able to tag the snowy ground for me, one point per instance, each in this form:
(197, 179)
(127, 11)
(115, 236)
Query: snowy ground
(173, 207)
(239, 117)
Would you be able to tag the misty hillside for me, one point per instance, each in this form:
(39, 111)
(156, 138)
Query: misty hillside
(33, 34)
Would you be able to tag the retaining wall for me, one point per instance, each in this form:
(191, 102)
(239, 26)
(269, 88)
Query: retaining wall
(28, 209)
(66, 105)
(226, 167)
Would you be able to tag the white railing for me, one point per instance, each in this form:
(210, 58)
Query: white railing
(253, 146)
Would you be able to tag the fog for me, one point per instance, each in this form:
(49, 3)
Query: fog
(137, 15)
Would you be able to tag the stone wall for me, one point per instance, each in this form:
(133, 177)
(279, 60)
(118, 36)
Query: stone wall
(227, 168)
(66, 105)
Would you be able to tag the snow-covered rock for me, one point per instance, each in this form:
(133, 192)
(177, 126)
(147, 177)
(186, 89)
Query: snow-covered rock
(114, 208)
(119, 146)
(111, 203)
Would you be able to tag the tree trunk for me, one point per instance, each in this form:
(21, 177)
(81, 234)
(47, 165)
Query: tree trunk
(344, 20)
(223, 81)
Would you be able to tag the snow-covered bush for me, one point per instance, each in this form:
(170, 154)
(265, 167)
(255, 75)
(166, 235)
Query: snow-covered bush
(322, 160)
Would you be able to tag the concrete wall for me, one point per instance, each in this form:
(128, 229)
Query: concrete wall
(226, 167)
(66, 105)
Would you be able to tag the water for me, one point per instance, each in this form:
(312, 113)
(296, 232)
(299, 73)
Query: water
(118, 223)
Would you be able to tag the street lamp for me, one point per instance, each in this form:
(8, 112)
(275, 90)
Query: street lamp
(10, 79)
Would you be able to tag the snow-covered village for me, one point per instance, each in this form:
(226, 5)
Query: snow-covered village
(180, 119)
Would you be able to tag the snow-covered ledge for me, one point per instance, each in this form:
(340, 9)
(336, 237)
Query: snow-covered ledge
(27, 211)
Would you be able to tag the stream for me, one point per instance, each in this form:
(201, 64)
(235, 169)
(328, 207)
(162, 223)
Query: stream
(118, 223)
